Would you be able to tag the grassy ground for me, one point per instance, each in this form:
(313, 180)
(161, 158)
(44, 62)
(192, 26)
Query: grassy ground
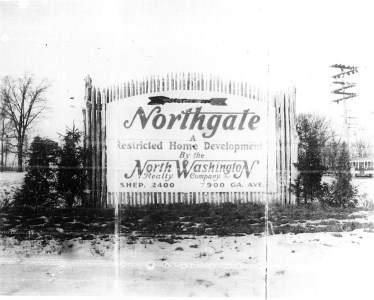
(314, 218)
(180, 219)
(177, 219)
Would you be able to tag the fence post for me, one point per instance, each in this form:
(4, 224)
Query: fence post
(103, 148)
(86, 110)
(99, 166)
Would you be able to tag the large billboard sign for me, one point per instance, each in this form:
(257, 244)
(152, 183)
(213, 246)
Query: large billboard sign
(190, 141)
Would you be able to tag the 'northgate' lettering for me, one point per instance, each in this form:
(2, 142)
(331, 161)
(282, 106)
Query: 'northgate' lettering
(197, 119)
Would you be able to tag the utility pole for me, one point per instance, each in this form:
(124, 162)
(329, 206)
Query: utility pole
(339, 79)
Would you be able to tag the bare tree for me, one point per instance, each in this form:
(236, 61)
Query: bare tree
(362, 148)
(23, 101)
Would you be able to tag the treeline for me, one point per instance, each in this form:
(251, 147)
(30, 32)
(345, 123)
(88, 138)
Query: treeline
(358, 149)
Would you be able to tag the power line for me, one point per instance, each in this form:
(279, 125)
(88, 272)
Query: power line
(342, 87)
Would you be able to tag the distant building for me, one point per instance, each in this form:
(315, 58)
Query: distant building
(362, 166)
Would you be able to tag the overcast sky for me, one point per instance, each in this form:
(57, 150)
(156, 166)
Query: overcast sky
(115, 41)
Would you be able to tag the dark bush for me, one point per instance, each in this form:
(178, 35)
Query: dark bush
(70, 168)
(39, 188)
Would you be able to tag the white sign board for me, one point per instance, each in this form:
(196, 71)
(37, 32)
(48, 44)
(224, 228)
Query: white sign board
(190, 141)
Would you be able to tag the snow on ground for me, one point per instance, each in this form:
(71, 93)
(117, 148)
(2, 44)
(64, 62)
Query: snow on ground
(364, 185)
(316, 265)
(9, 183)
(322, 265)
(205, 266)
(192, 266)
